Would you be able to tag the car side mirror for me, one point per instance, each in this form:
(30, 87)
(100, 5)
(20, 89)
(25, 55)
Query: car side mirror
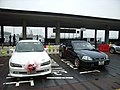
(69, 47)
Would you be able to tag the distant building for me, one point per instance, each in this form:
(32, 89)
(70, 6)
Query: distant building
(6, 36)
(40, 38)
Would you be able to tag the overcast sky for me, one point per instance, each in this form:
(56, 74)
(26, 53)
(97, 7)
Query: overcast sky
(96, 8)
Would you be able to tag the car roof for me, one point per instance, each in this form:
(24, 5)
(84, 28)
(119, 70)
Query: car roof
(29, 41)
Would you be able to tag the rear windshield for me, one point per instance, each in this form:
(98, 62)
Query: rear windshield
(29, 47)
(82, 45)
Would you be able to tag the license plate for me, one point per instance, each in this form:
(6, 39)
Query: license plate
(101, 62)
(31, 72)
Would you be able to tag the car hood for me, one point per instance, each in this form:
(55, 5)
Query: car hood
(29, 57)
(92, 53)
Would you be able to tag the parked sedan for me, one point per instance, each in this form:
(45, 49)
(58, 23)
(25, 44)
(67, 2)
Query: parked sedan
(83, 54)
(29, 59)
(114, 48)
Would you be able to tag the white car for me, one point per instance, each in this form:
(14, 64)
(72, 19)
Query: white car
(29, 59)
(114, 48)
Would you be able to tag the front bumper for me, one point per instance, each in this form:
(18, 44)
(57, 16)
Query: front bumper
(94, 63)
(21, 72)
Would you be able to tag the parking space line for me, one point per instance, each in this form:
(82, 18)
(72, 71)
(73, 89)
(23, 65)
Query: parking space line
(58, 74)
(59, 77)
(89, 71)
(8, 83)
(57, 68)
(9, 77)
(68, 63)
(18, 83)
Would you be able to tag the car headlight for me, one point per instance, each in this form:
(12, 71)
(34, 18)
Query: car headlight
(15, 65)
(106, 57)
(87, 58)
(45, 63)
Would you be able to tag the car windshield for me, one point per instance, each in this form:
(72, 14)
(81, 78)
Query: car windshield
(29, 47)
(82, 45)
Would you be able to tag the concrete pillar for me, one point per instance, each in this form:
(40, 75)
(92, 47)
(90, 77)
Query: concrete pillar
(2, 34)
(95, 41)
(24, 31)
(57, 39)
(107, 35)
(46, 33)
(119, 35)
(81, 35)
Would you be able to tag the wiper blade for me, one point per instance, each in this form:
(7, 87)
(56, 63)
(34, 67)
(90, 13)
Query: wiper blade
(25, 51)
(85, 49)
(38, 50)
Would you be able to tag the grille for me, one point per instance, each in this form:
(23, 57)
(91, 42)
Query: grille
(100, 58)
(27, 73)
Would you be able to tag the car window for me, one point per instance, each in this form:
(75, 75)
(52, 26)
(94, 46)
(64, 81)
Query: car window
(118, 44)
(29, 47)
(68, 43)
(82, 45)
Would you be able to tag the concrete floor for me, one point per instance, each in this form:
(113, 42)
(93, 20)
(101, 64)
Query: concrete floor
(66, 77)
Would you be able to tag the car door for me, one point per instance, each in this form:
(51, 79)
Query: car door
(118, 47)
(70, 51)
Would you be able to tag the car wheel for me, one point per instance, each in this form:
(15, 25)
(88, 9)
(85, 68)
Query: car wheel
(77, 63)
(112, 50)
(61, 54)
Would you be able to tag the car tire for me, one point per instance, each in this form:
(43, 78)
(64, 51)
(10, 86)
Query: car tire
(61, 54)
(77, 63)
(112, 50)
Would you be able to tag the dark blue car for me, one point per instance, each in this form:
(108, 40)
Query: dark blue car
(83, 54)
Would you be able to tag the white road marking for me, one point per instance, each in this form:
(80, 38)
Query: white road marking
(72, 66)
(89, 71)
(57, 68)
(61, 70)
(32, 83)
(9, 83)
(63, 59)
(18, 83)
(59, 77)
(55, 64)
(58, 74)
(9, 77)
(9, 74)
(68, 63)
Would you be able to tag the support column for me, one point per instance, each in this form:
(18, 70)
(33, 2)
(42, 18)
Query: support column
(2, 34)
(46, 33)
(107, 35)
(119, 35)
(81, 35)
(95, 41)
(24, 30)
(57, 39)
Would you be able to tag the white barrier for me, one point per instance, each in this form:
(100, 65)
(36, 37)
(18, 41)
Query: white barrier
(5, 51)
(51, 49)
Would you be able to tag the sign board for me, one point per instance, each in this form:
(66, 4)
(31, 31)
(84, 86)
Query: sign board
(66, 30)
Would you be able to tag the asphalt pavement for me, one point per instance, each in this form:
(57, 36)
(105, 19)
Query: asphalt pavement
(65, 77)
